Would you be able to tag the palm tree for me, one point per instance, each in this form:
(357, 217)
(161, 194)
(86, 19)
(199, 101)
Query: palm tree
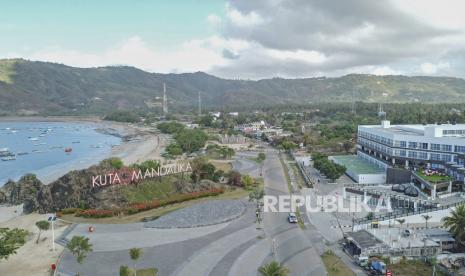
(426, 218)
(135, 254)
(273, 269)
(456, 223)
(43, 225)
(79, 246)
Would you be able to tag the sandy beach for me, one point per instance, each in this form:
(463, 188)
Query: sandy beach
(138, 143)
(32, 258)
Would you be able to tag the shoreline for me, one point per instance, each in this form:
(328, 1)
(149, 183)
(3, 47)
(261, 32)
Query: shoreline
(138, 143)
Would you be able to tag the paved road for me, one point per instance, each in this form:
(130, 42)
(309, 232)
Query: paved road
(294, 248)
(232, 248)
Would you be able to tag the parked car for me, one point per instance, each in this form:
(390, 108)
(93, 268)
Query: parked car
(292, 218)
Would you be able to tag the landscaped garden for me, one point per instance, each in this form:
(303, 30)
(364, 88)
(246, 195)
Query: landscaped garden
(433, 176)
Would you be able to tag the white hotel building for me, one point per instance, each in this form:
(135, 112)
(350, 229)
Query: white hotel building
(435, 146)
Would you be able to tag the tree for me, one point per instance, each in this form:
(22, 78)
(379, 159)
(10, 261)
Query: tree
(248, 181)
(43, 225)
(135, 254)
(174, 149)
(124, 270)
(426, 218)
(191, 140)
(11, 240)
(148, 165)
(79, 246)
(455, 222)
(256, 194)
(170, 127)
(273, 269)
(234, 178)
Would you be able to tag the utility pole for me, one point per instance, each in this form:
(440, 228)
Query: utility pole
(165, 101)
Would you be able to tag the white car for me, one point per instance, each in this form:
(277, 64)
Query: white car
(292, 218)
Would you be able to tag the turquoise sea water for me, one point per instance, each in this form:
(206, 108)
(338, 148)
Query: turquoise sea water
(41, 147)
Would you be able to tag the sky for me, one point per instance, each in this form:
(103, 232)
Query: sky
(242, 39)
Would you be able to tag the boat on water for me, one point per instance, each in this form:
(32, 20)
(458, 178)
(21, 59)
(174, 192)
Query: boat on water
(6, 153)
(33, 138)
(68, 150)
(4, 149)
(22, 153)
(9, 158)
(40, 144)
(76, 142)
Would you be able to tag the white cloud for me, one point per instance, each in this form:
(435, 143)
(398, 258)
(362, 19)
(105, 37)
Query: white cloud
(195, 55)
(385, 70)
(307, 56)
(431, 69)
(243, 20)
(214, 19)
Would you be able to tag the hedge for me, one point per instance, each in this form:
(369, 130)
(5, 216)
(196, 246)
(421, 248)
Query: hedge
(144, 206)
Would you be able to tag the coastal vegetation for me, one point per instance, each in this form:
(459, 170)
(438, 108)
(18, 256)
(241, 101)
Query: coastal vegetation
(124, 116)
(79, 246)
(43, 225)
(11, 240)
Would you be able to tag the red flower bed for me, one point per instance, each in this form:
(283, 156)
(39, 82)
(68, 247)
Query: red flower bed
(95, 213)
(139, 207)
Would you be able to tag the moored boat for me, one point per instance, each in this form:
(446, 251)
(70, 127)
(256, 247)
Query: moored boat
(9, 158)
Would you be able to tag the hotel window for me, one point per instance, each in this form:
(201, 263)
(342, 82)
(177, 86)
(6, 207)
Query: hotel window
(403, 144)
(446, 147)
(424, 145)
(446, 158)
(422, 155)
(403, 153)
(435, 147)
(435, 156)
(412, 154)
(412, 145)
(459, 148)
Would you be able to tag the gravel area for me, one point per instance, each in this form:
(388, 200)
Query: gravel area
(202, 214)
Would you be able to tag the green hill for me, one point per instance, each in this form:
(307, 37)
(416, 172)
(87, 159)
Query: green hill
(28, 87)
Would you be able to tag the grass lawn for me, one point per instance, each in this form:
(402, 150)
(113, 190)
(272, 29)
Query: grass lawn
(335, 266)
(223, 165)
(408, 268)
(233, 193)
(434, 178)
(146, 272)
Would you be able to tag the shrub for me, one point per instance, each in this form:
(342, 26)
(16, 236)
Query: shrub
(113, 162)
(95, 213)
(67, 211)
(178, 198)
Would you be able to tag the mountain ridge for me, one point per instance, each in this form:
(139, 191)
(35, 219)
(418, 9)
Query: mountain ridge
(36, 87)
